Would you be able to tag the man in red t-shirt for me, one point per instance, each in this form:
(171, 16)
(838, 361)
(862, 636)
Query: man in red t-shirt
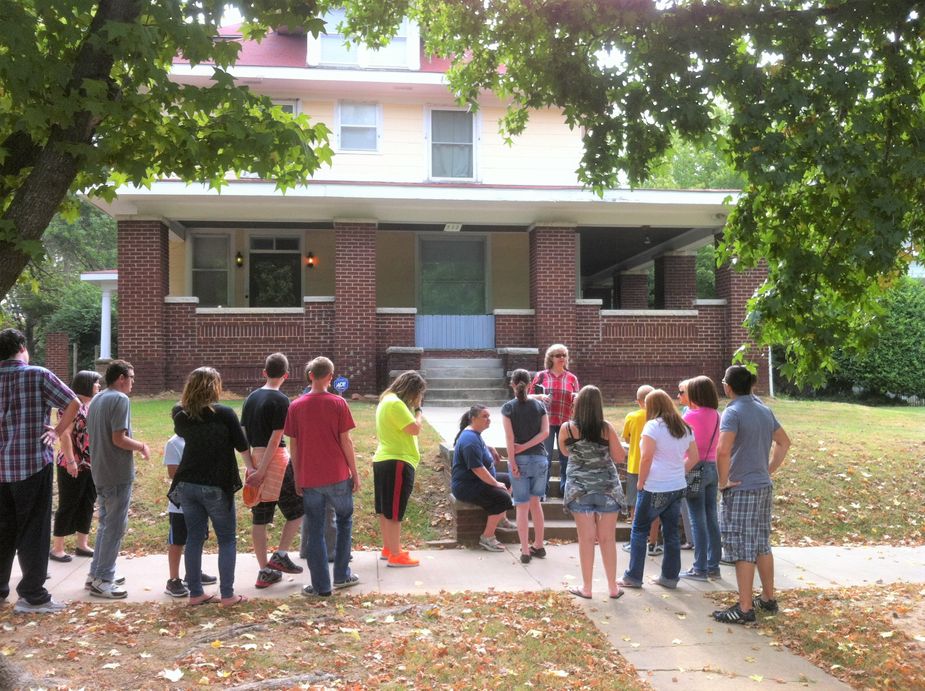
(318, 426)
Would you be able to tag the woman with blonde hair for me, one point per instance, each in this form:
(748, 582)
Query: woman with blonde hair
(593, 494)
(399, 421)
(207, 479)
(557, 388)
(666, 438)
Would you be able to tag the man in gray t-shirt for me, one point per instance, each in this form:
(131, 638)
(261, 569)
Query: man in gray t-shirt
(109, 426)
(744, 464)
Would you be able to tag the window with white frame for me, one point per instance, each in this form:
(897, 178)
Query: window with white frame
(331, 49)
(358, 126)
(210, 269)
(452, 144)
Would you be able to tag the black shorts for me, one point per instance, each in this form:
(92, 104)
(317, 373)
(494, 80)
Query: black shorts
(493, 499)
(176, 535)
(290, 503)
(392, 482)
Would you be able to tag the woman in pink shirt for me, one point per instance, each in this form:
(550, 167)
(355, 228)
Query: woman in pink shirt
(703, 418)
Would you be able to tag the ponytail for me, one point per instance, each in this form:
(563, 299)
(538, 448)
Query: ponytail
(466, 419)
(520, 380)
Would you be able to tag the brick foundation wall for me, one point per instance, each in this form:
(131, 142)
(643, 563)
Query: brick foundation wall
(394, 330)
(237, 344)
(143, 279)
(675, 282)
(553, 283)
(356, 350)
(514, 330)
(57, 357)
(633, 291)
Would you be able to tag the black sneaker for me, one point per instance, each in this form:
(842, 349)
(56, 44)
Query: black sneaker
(204, 578)
(282, 562)
(525, 558)
(176, 588)
(538, 552)
(734, 615)
(267, 577)
(769, 606)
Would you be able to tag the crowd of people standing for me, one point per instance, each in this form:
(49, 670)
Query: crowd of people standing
(313, 478)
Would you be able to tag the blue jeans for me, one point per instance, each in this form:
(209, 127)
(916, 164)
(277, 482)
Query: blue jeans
(708, 547)
(200, 503)
(114, 501)
(649, 506)
(533, 470)
(548, 443)
(339, 495)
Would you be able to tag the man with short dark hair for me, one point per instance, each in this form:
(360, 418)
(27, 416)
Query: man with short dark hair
(263, 418)
(318, 427)
(109, 425)
(27, 395)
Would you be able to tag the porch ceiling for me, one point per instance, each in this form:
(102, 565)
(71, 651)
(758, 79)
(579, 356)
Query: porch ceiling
(622, 230)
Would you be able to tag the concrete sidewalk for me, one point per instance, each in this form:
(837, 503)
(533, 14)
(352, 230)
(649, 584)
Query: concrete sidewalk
(667, 634)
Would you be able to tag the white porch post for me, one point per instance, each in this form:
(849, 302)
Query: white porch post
(108, 281)
(106, 324)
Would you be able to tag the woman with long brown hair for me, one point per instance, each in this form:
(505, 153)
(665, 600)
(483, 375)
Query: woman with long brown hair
(666, 438)
(207, 479)
(526, 428)
(399, 421)
(593, 494)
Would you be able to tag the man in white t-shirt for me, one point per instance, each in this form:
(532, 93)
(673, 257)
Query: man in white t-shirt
(176, 536)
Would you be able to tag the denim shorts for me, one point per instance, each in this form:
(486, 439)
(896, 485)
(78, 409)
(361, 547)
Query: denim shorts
(532, 480)
(595, 502)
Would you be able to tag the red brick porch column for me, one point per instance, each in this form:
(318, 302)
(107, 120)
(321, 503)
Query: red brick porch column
(736, 287)
(143, 284)
(553, 284)
(675, 281)
(57, 357)
(355, 304)
(633, 291)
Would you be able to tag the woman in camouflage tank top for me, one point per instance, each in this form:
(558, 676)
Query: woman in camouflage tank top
(593, 494)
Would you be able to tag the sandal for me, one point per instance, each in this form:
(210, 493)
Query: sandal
(234, 600)
(619, 594)
(577, 592)
(204, 600)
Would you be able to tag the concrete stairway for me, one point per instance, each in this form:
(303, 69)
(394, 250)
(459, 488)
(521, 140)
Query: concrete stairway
(464, 381)
(557, 525)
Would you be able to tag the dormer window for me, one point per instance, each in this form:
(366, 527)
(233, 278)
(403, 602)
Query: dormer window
(330, 49)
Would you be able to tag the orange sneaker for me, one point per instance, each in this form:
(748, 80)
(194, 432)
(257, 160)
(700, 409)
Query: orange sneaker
(385, 553)
(402, 560)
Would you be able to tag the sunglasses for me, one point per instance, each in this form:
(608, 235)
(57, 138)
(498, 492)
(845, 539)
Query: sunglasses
(560, 355)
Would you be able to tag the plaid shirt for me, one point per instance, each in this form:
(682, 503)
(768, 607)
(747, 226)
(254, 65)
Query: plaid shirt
(562, 389)
(27, 395)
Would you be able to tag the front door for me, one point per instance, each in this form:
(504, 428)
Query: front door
(452, 299)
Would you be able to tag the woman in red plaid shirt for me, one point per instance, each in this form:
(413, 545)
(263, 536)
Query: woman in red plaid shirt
(556, 387)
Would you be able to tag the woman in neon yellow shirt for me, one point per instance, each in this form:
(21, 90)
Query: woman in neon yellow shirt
(399, 421)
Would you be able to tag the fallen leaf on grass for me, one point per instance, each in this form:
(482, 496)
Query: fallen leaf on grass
(111, 665)
(756, 677)
(171, 674)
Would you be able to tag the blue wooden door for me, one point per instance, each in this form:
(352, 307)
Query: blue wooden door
(455, 331)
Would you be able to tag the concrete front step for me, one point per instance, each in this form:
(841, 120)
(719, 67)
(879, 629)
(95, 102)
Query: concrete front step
(462, 402)
(481, 382)
(553, 510)
(558, 530)
(479, 363)
(471, 394)
(463, 373)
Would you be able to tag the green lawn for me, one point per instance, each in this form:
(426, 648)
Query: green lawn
(147, 530)
(853, 475)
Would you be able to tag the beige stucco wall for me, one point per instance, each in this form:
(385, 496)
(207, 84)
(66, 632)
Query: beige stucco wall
(320, 280)
(177, 268)
(510, 271)
(547, 153)
(395, 270)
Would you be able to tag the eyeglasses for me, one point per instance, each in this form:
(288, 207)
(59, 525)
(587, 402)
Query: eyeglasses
(560, 355)
(681, 392)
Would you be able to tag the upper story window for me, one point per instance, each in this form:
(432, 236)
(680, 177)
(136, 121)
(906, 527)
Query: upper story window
(452, 144)
(330, 48)
(210, 269)
(358, 126)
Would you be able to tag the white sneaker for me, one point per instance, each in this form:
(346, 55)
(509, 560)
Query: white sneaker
(108, 590)
(50, 607)
(118, 580)
(490, 543)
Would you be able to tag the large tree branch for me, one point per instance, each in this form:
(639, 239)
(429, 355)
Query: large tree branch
(55, 165)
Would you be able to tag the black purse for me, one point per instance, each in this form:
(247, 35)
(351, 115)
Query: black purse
(694, 476)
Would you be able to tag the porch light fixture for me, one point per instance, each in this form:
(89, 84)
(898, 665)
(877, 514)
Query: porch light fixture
(239, 260)
(452, 227)
(310, 260)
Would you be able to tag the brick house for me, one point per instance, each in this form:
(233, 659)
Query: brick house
(428, 235)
